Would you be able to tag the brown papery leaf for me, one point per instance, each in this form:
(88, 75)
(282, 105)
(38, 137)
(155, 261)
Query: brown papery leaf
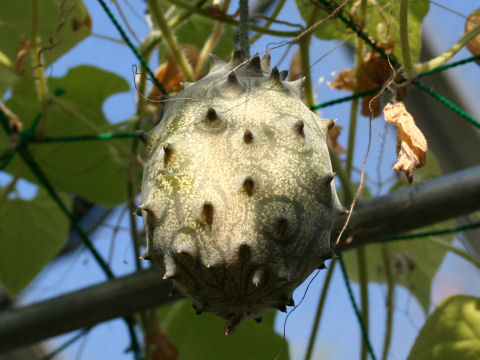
(375, 72)
(411, 144)
(295, 70)
(170, 75)
(160, 345)
(333, 135)
(472, 21)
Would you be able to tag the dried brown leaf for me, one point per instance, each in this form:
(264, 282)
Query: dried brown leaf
(344, 80)
(159, 343)
(295, 70)
(472, 21)
(376, 71)
(333, 135)
(411, 144)
(170, 75)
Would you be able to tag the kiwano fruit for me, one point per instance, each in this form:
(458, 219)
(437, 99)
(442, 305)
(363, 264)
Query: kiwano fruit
(238, 197)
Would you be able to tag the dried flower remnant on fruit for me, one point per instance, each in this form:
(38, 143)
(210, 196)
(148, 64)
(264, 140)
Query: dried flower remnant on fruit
(473, 21)
(411, 144)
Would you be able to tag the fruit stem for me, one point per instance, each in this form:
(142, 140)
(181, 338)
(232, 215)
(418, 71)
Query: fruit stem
(169, 37)
(244, 27)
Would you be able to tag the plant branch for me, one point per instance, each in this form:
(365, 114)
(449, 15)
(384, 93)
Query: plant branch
(83, 308)
(404, 42)
(374, 220)
(447, 55)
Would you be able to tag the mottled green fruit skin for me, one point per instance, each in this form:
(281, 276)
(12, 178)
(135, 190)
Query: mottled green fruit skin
(238, 201)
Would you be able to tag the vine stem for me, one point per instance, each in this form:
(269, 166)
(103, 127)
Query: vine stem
(40, 80)
(352, 130)
(363, 280)
(231, 21)
(244, 27)
(305, 59)
(169, 37)
(269, 22)
(437, 241)
(210, 43)
(154, 36)
(404, 42)
(447, 55)
(387, 264)
(318, 314)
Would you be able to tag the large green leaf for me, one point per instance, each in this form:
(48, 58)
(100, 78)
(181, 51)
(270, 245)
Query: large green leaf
(64, 22)
(451, 332)
(200, 337)
(381, 23)
(31, 234)
(415, 262)
(89, 168)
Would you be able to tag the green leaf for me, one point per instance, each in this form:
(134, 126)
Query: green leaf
(382, 22)
(89, 168)
(200, 337)
(416, 261)
(31, 234)
(65, 22)
(451, 332)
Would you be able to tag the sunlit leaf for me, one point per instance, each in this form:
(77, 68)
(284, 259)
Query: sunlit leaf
(61, 25)
(31, 234)
(451, 332)
(88, 168)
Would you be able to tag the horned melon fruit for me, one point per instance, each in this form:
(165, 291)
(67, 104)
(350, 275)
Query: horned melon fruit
(238, 198)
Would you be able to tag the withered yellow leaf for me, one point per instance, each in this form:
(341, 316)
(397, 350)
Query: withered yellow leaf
(472, 21)
(411, 144)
